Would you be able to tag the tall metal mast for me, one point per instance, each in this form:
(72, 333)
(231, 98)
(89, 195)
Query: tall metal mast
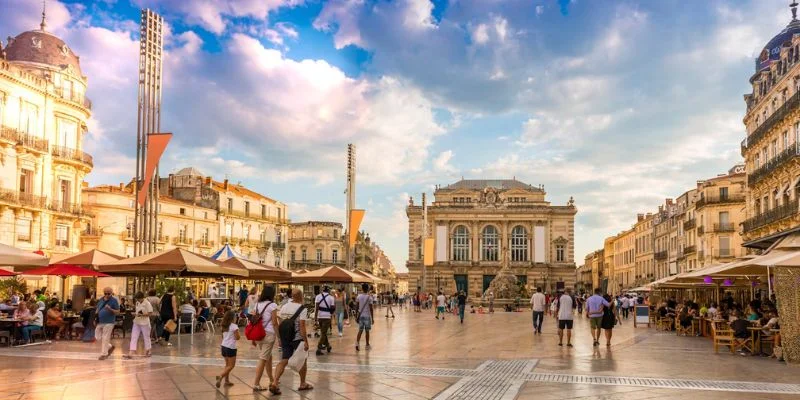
(351, 199)
(145, 223)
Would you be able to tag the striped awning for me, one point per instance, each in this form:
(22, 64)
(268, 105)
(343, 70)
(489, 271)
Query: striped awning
(225, 253)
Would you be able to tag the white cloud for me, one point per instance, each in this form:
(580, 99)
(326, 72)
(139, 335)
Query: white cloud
(539, 10)
(442, 162)
(480, 34)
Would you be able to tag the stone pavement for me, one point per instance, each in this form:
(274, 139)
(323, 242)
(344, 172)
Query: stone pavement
(416, 357)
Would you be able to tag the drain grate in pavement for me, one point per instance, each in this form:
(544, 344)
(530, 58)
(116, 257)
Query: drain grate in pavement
(726, 386)
(392, 370)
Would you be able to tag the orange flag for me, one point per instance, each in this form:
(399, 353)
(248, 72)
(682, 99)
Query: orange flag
(428, 255)
(156, 144)
(356, 216)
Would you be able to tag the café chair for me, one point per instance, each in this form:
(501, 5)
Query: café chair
(722, 335)
(5, 337)
(186, 319)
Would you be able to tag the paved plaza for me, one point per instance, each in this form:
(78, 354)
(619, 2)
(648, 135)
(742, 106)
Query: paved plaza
(416, 357)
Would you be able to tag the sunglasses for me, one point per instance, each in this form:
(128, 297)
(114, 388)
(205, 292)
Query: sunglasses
(106, 294)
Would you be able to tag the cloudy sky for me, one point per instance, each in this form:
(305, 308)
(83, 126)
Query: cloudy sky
(619, 104)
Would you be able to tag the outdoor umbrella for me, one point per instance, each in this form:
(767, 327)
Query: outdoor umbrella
(5, 273)
(20, 259)
(89, 259)
(176, 262)
(64, 270)
(331, 274)
(371, 277)
(258, 271)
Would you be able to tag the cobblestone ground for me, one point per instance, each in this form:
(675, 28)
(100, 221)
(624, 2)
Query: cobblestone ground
(415, 356)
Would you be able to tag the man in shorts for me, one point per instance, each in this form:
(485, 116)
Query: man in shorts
(594, 311)
(565, 306)
(364, 304)
(441, 305)
(289, 345)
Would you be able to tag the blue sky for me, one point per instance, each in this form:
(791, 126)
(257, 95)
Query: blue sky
(619, 104)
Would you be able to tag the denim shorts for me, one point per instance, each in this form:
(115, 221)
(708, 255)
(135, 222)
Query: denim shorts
(228, 352)
(365, 323)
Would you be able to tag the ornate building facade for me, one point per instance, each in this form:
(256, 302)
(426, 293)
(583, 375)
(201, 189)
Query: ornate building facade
(719, 211)
(771, 147)
(316, 244)
(479, 226)
(43, 119)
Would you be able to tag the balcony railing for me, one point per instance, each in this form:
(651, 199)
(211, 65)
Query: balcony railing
(724, 227)
(74, 97)
(690, 224)
(229, 240)
(661, 255)
(73, 155)
(278, 245)
(701, 230)
(772, 120)
(771, 165)
(701, 254)
(689, 249)
(181, 241)
(66, 207)
(23, 139)
(731, 198)
(725, 253)
(255, 243)
(315, 261)
(776, 214)
(253, 215)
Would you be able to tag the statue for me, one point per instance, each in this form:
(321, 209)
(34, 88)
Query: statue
(504, 286)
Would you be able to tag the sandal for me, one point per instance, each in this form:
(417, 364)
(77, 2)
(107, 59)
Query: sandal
(307, 386)
(259, 388)
(219, 381)
(274, 389)
(228, 383)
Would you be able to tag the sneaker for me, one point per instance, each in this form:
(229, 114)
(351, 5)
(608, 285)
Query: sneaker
(357, 349)
(102, 358)
(340, 334)
(569, 344)
(319, 352)
(369, 347)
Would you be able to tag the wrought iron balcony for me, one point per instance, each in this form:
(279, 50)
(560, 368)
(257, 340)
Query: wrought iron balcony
(776, 214)
(725, 253)
(278, 245)
(66, 207)
(23, 139)
(67, 153)
(74, 97)
(661, 255)
(701, 230)
(777, 116)
(690, 224)
(253, 215)
(689, 249)
(771, 165)
(724, 227)
(716, 199)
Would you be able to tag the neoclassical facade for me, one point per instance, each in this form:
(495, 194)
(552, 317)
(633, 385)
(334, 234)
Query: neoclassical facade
(480, 226)
(43, 119)
(316, 244)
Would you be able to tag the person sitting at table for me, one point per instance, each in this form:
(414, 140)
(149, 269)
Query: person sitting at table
(684, 317)
(55, 319)
(202, 315)
(712, 311)
(22, 314)
(68, 305)
(187, 307)
(739, 326)
(87, 321)
(7, 306)
(752, 313)
(35, 322)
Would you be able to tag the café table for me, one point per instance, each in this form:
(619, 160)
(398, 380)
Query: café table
(12, 323)
(755, 336)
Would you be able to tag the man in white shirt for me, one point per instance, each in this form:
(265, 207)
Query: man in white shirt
(537, 305)
(441, 305)
(624, 304)
(325, 304)
(365, 313)
(565, 305)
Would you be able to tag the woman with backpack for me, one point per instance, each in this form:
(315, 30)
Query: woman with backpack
(266, 313)
(291, 332)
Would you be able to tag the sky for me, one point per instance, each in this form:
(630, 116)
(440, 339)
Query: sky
(619, 104)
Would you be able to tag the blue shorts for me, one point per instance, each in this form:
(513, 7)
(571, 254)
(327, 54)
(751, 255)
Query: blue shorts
(228, 352)
(364, 323)
(287, 349)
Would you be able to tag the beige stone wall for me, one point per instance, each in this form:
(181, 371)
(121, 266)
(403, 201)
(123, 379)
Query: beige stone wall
(327, 237)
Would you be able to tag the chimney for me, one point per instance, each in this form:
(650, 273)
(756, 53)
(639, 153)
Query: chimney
(121, 187)
(669, 201)
(639, 217)
(225, 184)
(208, 182)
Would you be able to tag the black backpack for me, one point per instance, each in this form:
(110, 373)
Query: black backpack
(287, 328)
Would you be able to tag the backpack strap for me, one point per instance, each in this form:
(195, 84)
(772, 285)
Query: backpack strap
(296, 313)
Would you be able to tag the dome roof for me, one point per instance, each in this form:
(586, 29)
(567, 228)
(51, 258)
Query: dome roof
(41, 47)
(772, 51)
(189, 171)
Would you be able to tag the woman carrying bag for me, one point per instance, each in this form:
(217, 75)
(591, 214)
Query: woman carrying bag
(141, 325)
(168, 312)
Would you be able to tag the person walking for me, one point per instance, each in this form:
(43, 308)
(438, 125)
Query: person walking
(491, 302)
(365, 312)
(390, 298)
(594, 311)
(624, 304)
(565, 317)
(340, 305)
(441, 305)
(268, 311)
(462, 305)
(291, 331)
(538, 306)
(141, 325)
(326, 305)
(168, 311)
(243, 293)
(230, 334)
(107, 310)
(609, 319)
(155, 303)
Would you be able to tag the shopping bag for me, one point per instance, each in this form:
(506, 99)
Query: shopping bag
(298, 359)
(170, 326)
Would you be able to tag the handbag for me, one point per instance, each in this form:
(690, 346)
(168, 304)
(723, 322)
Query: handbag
(298, 358)
(170, 326)
(255, 329)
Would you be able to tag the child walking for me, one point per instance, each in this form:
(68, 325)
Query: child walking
(230, 335)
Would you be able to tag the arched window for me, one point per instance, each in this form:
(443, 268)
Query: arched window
(460, 251)
(519, 244)
(489, 242)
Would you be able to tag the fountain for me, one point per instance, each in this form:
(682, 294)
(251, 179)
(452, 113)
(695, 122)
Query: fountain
(504, 286)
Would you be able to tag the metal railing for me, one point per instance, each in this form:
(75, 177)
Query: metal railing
(776, 214)
(26, 140)
(661, 255)
(72, 154)
(181, 241)
(769, 166)
(701, 230)
(253, 215)
(777, 116)
(65, 207)
(725, 253)
(278, 245)
(690, 224)
(716, 199)
(74, 97)
(689, 249)
(724, 227)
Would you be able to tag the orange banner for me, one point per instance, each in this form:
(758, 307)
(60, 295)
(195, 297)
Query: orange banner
(156, 144)
(428, 252)
(356, 216)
